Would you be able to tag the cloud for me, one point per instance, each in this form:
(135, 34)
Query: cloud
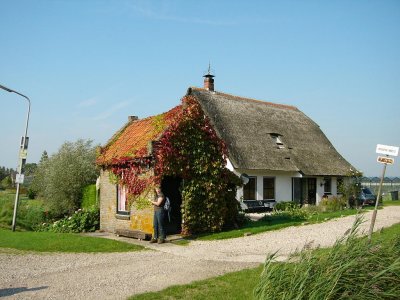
(110, 111)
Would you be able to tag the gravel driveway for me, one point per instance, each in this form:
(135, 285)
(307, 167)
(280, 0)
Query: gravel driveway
(119, 275)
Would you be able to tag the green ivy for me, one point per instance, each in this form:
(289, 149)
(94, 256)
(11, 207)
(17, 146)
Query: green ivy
(190, 149)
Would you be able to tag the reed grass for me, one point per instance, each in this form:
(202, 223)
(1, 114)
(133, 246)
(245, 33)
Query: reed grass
(352, 269)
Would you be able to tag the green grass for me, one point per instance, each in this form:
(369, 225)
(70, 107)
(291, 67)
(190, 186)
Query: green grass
(89, 197)
(277, 222)
(60, 242)
(390, 202)
(236, 285)
(240, 285)
(30, 212)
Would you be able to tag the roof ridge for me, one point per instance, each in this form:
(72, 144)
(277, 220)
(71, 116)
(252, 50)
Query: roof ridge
(239, 98)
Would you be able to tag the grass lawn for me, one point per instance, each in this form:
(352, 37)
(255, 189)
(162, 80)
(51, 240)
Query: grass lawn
(237, 285)
(390, 202)
(277, 222)
(30, 211)
(60, 242)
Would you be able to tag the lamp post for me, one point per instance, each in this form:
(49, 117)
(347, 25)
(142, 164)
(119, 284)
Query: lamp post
(22, 155)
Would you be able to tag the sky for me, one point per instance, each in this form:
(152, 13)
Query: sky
(88, 65)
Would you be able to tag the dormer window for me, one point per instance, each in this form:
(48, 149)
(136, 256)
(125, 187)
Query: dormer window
(277, 139)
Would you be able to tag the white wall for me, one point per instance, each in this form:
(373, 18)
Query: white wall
(320, 189)
(283, 183)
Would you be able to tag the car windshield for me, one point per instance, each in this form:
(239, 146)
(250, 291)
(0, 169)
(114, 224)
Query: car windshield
(367, 191)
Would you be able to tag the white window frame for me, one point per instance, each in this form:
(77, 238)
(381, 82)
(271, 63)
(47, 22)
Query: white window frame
(273, 178)
(255, 188)
(122, 203)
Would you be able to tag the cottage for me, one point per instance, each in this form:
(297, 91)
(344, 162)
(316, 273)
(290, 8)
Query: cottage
(278, 152)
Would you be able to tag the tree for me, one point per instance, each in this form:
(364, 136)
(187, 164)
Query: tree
(5, 172)
(62, 177)
(38, 184)
(30, 169)
(351, 187)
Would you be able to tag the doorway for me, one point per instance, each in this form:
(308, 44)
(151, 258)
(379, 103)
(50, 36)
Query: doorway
(170, 186)
(305, 190)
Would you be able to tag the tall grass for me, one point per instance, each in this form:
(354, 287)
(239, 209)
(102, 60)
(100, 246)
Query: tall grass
(30, 212)
(352, 269)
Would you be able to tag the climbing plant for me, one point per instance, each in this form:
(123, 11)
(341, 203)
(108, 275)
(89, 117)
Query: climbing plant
(188, 148)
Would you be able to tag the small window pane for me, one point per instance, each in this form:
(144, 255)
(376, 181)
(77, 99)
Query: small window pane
(122, 201)
(327, 185)
(269, 188)
(249, 190)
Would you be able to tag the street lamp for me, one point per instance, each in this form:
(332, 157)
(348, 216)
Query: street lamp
(22, 155)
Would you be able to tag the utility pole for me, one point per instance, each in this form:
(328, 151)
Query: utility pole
(23, 152)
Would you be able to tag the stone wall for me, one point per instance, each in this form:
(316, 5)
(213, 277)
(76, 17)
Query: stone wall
(110, 221)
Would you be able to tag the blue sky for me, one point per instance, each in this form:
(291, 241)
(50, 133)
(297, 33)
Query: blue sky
(87, 65)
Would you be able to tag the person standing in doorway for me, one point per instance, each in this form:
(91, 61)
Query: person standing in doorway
(159, 216)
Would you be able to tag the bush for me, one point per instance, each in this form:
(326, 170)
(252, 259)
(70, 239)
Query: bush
(6, 183)
(333, 204)
(83, 220)
(31, 193)
(62, 177)
(30, 216)
(30, 212)
(352, 269)
(295, 214)
(286, 206)
(89, 197)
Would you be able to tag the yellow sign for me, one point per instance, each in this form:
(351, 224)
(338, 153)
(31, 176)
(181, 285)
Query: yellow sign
(385, 160)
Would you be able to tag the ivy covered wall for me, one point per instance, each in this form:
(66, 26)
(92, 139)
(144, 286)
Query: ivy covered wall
(188, 148)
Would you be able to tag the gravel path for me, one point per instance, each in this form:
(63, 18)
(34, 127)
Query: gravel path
(119, 275)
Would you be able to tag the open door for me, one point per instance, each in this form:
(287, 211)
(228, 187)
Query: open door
(170, 186)
(305, 190)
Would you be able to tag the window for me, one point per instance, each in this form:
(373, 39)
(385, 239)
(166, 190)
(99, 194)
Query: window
(249, 190)
(277, 139)
(340, 185)
(327, 185)
(122, 201)
(269, 188)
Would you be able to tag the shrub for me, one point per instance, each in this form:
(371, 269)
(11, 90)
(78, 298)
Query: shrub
(30, 216)
(89, 197)
(31, 193)
(352, 269)
(286, 206)
(62, 177)
(83, 220)
(30, 212)
(295, 214)
(333, 204)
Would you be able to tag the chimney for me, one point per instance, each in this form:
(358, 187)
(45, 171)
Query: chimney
(132, 118)
(209, 80)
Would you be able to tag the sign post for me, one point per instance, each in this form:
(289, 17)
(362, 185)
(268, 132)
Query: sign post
(385, 160)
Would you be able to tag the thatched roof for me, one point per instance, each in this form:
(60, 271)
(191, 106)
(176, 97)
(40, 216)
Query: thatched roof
(248, 127)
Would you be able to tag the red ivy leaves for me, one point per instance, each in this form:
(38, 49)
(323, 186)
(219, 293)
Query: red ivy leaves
(188, 148)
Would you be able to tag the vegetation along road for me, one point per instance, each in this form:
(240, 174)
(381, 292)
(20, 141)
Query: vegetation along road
(119, 275)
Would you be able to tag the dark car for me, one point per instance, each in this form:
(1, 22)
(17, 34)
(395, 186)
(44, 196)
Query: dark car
(367, 197)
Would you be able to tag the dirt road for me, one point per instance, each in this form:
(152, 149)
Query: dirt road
(119, 275)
